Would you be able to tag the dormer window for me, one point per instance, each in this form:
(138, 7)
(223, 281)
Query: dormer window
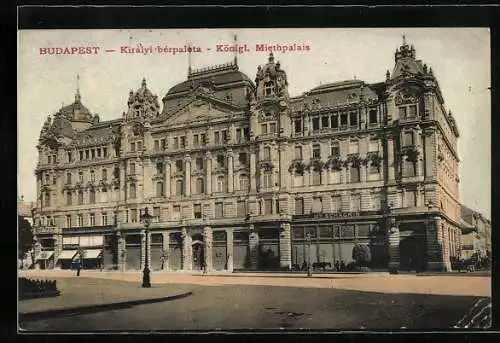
(269, 88)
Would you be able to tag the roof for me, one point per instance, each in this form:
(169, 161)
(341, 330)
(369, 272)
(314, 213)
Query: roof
(336, 94)
(102, 131)
(217, 75)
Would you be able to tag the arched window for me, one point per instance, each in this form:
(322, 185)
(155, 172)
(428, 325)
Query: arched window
(80, 197)
(68, 178)
(200, 186)
(179, 187)
(92, 196)
(92, 176)
(244, 183)
(80, 176)
(104, 174)
(69, 199)
(159, 189)
(354, 170)
(221, 184)
(132, 191)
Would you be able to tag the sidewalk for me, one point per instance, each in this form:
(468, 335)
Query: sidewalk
(370, 282)
(85, 292)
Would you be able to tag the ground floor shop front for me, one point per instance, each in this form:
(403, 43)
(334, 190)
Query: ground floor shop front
(406, 243)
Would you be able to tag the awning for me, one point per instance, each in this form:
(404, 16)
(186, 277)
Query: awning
(45, 255)
(67, 254)
(92, 253)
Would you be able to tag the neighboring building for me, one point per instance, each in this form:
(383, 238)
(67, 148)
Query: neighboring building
(25, 209)
(239, 174)
(476, 237)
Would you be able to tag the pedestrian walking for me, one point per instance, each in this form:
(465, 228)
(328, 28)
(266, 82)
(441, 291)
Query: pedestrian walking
(204, 265)
(79, 267)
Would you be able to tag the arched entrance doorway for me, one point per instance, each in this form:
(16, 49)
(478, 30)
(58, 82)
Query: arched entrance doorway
(198, 252)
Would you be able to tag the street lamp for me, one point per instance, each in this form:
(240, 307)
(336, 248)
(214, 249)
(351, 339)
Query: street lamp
(146, 219)
(309, 266)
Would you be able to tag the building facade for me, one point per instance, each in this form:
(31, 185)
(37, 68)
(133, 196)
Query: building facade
(239, 175)
(476, 238)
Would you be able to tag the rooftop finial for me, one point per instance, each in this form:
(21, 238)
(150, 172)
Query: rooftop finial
(189, 58)
(77, 95)
(271, 57)
(235, 50)
(143, 84)
(404, 40)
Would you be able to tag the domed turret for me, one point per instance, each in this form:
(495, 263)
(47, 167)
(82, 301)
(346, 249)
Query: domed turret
(142, 103)
(271, 80)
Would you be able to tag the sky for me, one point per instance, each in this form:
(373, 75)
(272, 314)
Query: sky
(459, 58)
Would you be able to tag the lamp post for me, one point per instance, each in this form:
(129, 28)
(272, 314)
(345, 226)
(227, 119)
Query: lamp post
(309, 266)
(146, 219)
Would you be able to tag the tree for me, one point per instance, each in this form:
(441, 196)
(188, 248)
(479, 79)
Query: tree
(26, 238)
(361, 254)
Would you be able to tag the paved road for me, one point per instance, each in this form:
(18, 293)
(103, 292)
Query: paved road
(230, 307)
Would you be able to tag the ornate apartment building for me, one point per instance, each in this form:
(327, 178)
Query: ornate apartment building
(242, 176)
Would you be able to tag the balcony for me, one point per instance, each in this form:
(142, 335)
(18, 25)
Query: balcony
(45, 230)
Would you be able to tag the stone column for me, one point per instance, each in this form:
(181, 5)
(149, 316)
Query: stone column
(143, 248)
(229, 248)
(121, 251)
(186, 251)
(393, 238)
(254, 248)
(167, 178)
(187, 175)
(123, 186)
(230, 173)
(208, 180)
(283, 168)
(285, 246)
(166, 251)
(207, 240)
(391, 158)
(253, 171)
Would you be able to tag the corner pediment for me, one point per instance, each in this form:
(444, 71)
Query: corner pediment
(203, 109)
